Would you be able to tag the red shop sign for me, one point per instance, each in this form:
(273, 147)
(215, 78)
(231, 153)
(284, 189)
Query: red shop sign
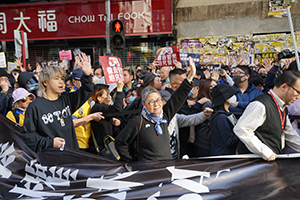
(84, 19)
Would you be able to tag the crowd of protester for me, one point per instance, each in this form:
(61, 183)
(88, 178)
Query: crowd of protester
(154, 114)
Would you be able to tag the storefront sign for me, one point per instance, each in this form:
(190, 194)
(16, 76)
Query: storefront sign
(112, 68)
(77, 19)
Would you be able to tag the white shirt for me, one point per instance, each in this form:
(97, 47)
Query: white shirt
(253, 117)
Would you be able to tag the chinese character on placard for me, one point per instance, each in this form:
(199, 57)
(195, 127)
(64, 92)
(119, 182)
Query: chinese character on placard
(47, 20)
(3, 23)
(115, 70)
(22, 22)
(111, 78)
(109, 70)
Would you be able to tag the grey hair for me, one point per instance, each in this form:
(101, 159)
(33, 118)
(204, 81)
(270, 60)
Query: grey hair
(148, 90)
(46, 74)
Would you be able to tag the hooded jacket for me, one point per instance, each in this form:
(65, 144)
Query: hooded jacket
(23, 78)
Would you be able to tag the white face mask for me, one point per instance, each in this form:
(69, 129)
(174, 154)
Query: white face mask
(232, 100)
(96, 80)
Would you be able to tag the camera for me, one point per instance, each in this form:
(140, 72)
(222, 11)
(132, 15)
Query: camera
(285, 54)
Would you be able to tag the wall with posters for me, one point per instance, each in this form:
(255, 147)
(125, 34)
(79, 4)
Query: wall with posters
(213, 50)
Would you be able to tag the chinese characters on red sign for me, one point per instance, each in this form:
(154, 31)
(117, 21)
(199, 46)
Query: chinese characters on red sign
(112, 68)
(168, 56)
(77, 19)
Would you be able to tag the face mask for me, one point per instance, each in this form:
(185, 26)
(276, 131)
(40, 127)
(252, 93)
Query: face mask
(96, 80)
(263, 75)
(232, 100)
(168, 80)
(238, 79)
(190, 94)
(131, 99)
(32, 87)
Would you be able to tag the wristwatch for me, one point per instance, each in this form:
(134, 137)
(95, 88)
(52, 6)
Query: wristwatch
(3, 92)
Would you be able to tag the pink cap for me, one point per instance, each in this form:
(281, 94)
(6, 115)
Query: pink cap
(21, 93)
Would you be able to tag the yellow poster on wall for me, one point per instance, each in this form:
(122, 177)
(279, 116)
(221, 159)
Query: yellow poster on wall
(278, 8)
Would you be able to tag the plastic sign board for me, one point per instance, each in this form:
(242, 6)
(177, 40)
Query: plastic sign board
(168, 56)
(65, 55)
(2, 60)
(11, 66)
(112, 68)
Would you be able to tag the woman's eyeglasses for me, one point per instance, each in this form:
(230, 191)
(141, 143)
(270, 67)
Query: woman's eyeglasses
(27, 98)
(158, 101)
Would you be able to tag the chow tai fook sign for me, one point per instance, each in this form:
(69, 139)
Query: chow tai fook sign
(84, 19)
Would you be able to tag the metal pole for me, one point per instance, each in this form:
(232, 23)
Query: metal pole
(23, 50)
(293, 37)
(107, 6)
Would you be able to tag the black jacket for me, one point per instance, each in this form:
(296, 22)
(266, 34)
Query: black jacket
(152, 146)
(104, 127)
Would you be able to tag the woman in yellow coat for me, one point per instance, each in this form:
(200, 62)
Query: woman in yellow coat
(22, 98)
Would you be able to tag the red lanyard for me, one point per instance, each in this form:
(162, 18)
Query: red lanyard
(281, 118)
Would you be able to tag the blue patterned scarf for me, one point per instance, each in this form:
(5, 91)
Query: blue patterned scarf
(155, 119)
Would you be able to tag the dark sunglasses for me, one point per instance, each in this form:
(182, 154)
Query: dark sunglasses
(27, 98)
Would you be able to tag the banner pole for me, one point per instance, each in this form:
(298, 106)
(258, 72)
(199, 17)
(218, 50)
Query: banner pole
(107, 6)
(23, 50)
(293, 37)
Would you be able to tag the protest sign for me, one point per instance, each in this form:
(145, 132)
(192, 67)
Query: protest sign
(2, 60)
(65, 55)
(112, 68)
(184, 57)
(168, 56)
(11, 66)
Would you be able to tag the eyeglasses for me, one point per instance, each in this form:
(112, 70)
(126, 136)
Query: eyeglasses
(158, 101)
(27, 98)
(239, 73)
(298, 92)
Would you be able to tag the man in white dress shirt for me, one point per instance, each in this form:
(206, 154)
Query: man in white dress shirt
(264, 127)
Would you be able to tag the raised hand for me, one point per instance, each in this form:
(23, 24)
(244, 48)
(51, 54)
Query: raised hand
(84, 64)
(192, 70)
(178, 65)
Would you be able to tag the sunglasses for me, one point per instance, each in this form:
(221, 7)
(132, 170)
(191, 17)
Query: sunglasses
(27, 98)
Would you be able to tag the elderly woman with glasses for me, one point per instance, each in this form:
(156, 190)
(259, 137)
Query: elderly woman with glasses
(149, 130)
(22, 98)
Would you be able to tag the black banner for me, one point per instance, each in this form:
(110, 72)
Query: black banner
(69, 174)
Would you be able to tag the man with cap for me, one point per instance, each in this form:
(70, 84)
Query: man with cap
(180, 121)
(5, 95)
(76, 76)
(223, 139)
(150, 79)
(265, 128)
